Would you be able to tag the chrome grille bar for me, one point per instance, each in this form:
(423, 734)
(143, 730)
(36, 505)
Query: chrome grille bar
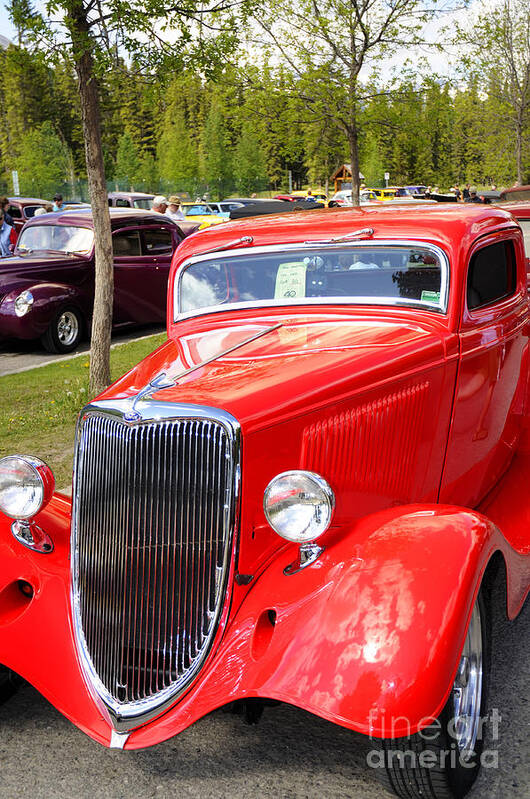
(155, 505)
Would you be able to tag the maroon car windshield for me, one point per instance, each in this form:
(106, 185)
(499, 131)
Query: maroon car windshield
(58, 238)
(373, 274)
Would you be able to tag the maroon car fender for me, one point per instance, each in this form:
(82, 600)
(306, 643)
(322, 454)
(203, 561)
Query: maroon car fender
(48, 299)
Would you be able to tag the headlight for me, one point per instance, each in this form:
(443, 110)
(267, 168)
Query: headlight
(299, 505)
(23, 303)
(26, 485)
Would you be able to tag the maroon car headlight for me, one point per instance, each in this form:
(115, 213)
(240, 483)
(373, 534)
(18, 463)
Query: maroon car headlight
(26, 486)
(23, 303)
(299, 505)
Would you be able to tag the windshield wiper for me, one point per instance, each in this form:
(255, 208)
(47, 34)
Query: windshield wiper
(244, 241)
(362, 233)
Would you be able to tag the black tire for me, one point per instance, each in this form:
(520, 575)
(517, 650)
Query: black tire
(65, 331)
(10, 682)
(429, 764)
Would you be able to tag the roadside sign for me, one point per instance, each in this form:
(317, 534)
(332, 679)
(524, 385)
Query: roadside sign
(387, 177)
(16, 186)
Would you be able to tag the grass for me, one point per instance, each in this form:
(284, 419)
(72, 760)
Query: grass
(38, 408)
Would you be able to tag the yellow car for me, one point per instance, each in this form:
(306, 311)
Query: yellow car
(384, 194)
(203, 213)
(317, 195)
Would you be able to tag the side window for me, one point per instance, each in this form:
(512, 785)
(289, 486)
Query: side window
(491, 275)
(158, 242)
(127, 243)
(121, 203)
(15, 212)
(29, 211)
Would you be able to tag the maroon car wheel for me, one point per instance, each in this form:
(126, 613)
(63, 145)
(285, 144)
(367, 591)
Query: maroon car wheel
(65, 331)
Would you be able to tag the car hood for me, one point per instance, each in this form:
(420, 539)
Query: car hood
(294, 363)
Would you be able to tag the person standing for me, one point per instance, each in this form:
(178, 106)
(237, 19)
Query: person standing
(466, 194)
(58, 204)
(159, 204)
(5, 236)
(174, 210)
(4, 206)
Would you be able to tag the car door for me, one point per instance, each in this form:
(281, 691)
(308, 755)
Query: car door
(142, 257)
(491, 384)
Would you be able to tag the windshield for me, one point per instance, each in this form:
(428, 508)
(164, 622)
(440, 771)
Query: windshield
(199, 209)
(144, 203)
(59, 238)
(373, 274)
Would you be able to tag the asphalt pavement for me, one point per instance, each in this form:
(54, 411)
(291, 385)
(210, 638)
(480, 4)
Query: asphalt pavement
(290, 754)
(19, 355)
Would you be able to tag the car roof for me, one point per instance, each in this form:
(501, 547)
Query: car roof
(140, 195)
(82, 217)
(29, 200)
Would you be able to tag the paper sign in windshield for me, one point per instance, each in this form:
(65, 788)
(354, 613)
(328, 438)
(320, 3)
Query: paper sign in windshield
(290, 280)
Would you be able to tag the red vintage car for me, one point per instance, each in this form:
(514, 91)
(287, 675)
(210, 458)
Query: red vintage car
(304, 495)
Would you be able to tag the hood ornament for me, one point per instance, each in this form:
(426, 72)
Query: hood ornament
(163, 380)
(158, 382)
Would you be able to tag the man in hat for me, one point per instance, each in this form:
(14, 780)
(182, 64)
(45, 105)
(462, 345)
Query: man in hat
(174, 211)
(58, 204)
(159, 204)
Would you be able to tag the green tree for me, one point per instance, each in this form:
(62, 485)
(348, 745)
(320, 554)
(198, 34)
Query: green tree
(128, 161)
(328, 44)
(250, 169)
(499, 57)
(94, 35)
(217, 166)
(42, 162)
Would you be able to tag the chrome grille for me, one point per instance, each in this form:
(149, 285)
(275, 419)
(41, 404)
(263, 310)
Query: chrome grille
(154, 509)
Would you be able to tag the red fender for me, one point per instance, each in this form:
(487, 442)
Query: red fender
(369, 636)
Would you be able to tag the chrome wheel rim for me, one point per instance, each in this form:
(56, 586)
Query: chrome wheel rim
(467, 688)
(67, 328)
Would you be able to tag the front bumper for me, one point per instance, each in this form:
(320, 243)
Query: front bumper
(351, 638)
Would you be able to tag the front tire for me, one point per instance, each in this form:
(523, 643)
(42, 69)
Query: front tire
(443, 760)
(64, 331)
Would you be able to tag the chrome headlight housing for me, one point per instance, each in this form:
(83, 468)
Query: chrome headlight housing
(299, 505)
(26, 485)
(23, 303)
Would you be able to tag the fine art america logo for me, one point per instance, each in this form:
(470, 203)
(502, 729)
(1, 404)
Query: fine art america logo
(433, 754)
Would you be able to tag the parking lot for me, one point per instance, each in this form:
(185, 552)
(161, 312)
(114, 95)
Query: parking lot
(289, 754)
(18, 356)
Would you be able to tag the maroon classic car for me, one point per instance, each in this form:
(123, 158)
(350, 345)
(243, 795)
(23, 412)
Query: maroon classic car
(131, 199)
(23, 208)
(47, 287)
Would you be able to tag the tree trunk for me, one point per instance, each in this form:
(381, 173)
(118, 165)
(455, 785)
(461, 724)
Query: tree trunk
(104, 273)
(354, 160)
(519, 149)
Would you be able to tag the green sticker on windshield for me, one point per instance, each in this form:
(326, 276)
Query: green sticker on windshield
(290, 280)
(430, 296)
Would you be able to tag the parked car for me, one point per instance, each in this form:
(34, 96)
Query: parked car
(23, 208)
(304, 495)
(344, 198)
(516, 194)
(223, 208)
(202, 213)
(47, 287)
(521, 212)
(131, 199)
